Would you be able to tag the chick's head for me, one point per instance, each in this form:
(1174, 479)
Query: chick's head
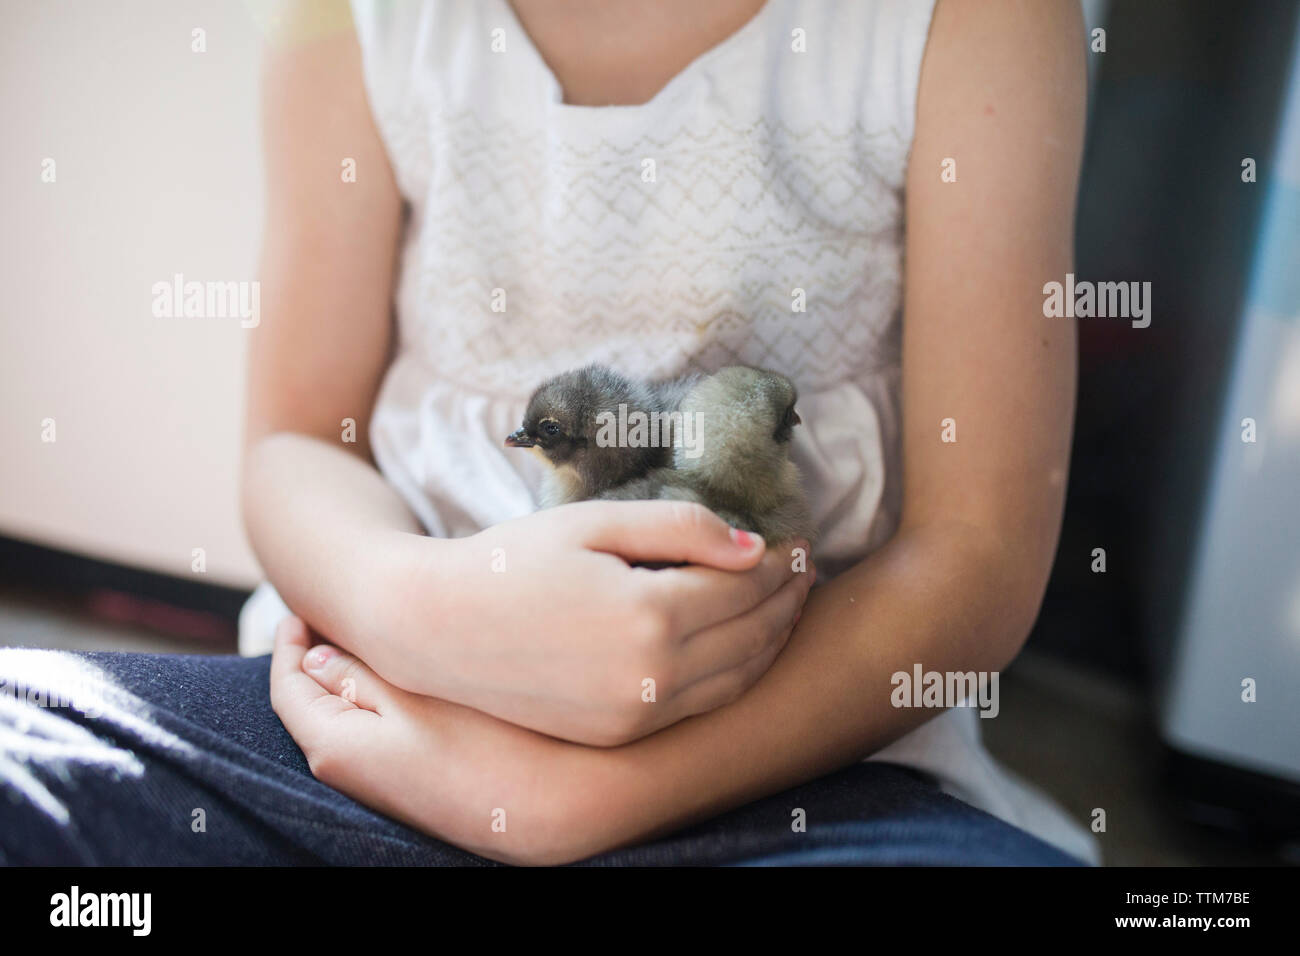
(563, 421)
(745, 419)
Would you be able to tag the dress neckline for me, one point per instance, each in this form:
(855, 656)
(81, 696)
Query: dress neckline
(666, 93)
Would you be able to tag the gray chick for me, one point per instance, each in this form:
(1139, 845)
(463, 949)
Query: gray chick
(568, 425)
(737, 461)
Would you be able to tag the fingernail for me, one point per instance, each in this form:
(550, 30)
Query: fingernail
(318, 657)
(743, 539)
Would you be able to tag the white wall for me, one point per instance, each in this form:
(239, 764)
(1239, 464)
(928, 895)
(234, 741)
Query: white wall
(158, 171)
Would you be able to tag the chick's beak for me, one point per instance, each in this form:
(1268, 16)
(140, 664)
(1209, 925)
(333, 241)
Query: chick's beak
(519, 439)
(795, 419)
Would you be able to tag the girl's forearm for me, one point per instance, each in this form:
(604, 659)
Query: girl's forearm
(329, 532)
(943, 597)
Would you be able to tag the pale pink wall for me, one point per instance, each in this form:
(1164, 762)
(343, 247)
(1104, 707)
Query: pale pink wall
(158, 170)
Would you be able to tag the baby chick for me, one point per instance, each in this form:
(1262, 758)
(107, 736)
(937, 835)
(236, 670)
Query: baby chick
(740, 465)
(566, 425)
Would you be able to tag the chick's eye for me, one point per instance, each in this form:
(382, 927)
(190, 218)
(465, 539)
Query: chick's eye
(550, 428)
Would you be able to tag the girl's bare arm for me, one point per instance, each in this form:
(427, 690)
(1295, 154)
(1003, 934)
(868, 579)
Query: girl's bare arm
(315, 508)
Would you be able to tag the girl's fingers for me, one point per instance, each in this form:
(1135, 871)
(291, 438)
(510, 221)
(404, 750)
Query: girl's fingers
(667, 531)
(723, 661)
(721, 689)
(339, 673)
(699, 598)
(302, 704)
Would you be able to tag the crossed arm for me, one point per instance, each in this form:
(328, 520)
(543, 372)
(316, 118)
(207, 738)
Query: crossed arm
(956, 589)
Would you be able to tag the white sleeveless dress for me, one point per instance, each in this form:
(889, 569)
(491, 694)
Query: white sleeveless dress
(750, 213)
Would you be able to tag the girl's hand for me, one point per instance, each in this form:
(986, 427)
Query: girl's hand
(544, 622)
(455, 773)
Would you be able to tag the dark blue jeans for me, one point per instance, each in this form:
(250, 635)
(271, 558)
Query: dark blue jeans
(124, 759)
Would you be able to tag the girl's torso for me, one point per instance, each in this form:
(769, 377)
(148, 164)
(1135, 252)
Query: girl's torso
(748, 212)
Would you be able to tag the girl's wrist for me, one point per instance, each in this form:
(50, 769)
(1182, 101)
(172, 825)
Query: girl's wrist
(411, 591)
